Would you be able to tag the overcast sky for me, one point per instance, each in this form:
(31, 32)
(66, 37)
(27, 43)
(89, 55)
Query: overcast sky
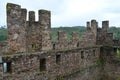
(70, 12)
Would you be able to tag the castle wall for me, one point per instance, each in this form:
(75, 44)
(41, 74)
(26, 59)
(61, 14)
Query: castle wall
(75, 39)
(109, 39)
(94, 26)
(1, 71)
(103, 37)
(31, 36)
(16, 28)
(3, 47)
(61, 42)
(105, 26)
(111, 63)
(57, 64)
(45, 24)
(91, 73)
(28, 57)
(28, 35)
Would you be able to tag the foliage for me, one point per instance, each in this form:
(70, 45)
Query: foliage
(118, 54)
(3, 33)
(115, 31)
(118, 79)
(100, 62)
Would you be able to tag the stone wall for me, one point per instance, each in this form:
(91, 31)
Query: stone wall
(27, 36)
(16, 28)
(45, 23)
(111, 59)
(57, 64)
(91, 73)
(32, 36)
(3, 47)
(28, 58)
(1, 69)
(63, 43)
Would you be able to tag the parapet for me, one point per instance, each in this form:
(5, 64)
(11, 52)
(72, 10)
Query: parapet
(13, 10)
(16, 28)
(31, 16)
(27, 35)
(31, 35)
(105, 25)
(88, 26)
(62, 36)
(75, 36)
(94, 23)
(45, 18)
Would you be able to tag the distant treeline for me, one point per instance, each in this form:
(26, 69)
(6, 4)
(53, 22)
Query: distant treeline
(68, 30)
(3, 33)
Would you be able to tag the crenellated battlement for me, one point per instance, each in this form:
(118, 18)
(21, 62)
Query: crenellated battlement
(29, 53)
(31, 35)
(28, 35)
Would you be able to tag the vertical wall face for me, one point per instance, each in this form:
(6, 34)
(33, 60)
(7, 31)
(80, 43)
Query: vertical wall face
(16, 28)
(75, 39)
(62, 36)
(109, 39)
(94, 26)
(45, 24)
(1, 68)
(31, 32)
(75, 36)
(88, 26)
(105, 25)
(1, 71)
(31, 16)
(103, 37)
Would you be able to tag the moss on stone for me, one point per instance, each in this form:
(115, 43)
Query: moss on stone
(118, 54)
(118, 78)
(100, 62)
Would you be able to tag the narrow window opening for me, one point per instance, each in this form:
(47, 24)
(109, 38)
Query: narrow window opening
(115, 50)
(82, 55)
(32, 46)
(42, 64)
(93, 52)
(7, 67)
(53, 46)
(78, 44)
(58, 59)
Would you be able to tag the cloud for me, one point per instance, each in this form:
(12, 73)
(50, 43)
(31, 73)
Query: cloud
(71, 12)
(77, 12)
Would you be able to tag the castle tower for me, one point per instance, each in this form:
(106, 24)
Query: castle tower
(45, 24)
(16, 21)
(105, 25)
(88, 26)
(94, 26)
